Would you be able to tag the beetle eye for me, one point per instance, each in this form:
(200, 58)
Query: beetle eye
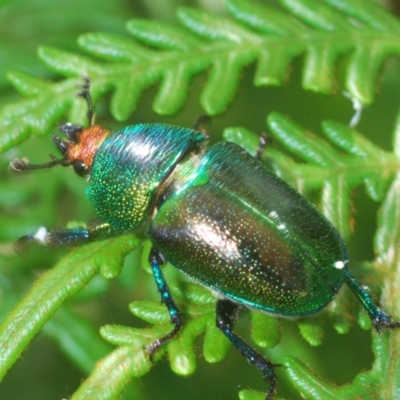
(79, 167)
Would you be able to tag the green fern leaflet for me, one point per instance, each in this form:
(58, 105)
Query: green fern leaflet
(332, 47)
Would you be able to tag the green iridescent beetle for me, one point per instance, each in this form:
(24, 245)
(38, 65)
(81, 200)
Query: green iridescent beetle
(217, 214)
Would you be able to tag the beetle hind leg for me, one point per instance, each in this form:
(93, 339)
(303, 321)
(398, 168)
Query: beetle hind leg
(378, 317)
(156, 259)
(225, 315)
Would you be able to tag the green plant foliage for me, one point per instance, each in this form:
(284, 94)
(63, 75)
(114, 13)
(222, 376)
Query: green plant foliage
(363, 155)
(360, 34)
(343, 45)
(199, 308)
(382, 380)
(197, 303)
(52, 290)
(363, 163)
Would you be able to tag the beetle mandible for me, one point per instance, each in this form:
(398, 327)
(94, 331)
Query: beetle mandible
(217, 214)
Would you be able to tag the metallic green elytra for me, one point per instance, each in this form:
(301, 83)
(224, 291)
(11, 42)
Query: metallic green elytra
(249, 236)
(217, 214)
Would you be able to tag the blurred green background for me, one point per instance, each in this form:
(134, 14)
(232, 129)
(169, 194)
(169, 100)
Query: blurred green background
(56, 197)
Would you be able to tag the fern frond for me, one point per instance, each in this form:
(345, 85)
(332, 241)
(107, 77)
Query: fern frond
(199, 306)
(270, 38)
(354, 35)
(354, 161)
(382, 380)
(343, 44)
(53, 289)
(354, 153)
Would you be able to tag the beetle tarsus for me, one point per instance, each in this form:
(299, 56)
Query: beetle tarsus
(384, 320)
(20, 164)
(378, 317)
(85, 93)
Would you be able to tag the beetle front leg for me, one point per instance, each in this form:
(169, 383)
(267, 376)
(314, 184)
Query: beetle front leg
(156, 259)
(225, 312)
(59, 237)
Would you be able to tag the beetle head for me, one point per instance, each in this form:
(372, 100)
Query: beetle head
(79, 145)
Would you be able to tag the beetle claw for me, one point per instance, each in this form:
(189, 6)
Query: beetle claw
(384, 320)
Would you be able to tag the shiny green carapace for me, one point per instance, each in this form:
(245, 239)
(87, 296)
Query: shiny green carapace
(240, 230)
(215, 213)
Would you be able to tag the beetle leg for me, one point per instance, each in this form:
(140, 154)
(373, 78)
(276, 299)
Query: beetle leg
(85, 93)
(59, 237)
(378, 317)
(202, 124)
(156, 259)
(264, 140)
(225, 313)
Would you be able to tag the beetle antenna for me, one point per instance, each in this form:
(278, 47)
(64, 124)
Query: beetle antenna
(23, 164)
(85, 93)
